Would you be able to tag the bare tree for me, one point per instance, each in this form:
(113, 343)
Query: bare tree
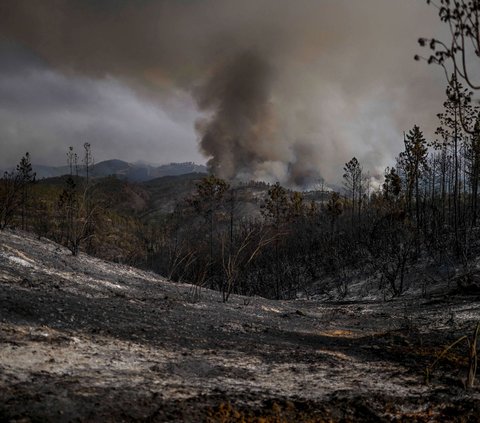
(15, 192)
(353, 181)
(10, 188)
(251, 241)
(208, 201)
(76, 206)
(459, 56)
(27, 178)
(413, 161)
(334, 209)
(276, 210)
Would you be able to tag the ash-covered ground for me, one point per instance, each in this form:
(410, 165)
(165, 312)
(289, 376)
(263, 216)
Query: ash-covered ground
(82, 339)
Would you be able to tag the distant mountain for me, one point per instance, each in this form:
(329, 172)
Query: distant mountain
(138, 172)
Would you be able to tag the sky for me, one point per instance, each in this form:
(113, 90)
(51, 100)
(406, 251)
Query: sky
(285, 90)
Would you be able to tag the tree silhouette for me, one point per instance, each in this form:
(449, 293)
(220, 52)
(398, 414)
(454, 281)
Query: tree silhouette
(26, 178)
(353, 183)
(454, 55)
(413, 160)
(459, 56)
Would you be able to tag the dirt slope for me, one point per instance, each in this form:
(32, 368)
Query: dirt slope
(86, 340)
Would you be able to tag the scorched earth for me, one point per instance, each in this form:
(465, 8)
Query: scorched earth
(82, 339)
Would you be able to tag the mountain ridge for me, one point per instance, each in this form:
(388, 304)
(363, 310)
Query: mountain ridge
(136, 172)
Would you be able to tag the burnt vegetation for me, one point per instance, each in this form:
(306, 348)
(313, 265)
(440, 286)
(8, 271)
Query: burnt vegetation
(417, 223)
(259, 239)
(409, 236)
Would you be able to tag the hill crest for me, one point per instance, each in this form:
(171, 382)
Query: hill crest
(135, 172)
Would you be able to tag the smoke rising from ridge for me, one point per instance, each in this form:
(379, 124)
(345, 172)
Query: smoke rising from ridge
(240, 134)
(285, 90)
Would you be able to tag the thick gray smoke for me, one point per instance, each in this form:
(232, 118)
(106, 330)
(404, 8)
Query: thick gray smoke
(240, 134)
(284, 90)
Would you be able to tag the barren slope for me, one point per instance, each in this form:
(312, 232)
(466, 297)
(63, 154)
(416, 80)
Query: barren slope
(86, 340)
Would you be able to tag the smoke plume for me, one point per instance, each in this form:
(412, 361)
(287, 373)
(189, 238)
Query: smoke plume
(283, 90)
(240, 133)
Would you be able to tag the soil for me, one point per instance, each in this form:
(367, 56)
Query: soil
(84, 340)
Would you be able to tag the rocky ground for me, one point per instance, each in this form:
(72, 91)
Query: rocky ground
(86, 340)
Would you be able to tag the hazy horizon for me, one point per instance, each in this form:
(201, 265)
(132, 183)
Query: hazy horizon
(274, 90)
(81, 164)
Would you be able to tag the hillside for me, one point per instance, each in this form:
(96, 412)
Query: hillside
(168, 192)
(137, 172)
(87, 340)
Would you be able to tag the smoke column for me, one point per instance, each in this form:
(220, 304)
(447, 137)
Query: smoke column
(240, 133)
